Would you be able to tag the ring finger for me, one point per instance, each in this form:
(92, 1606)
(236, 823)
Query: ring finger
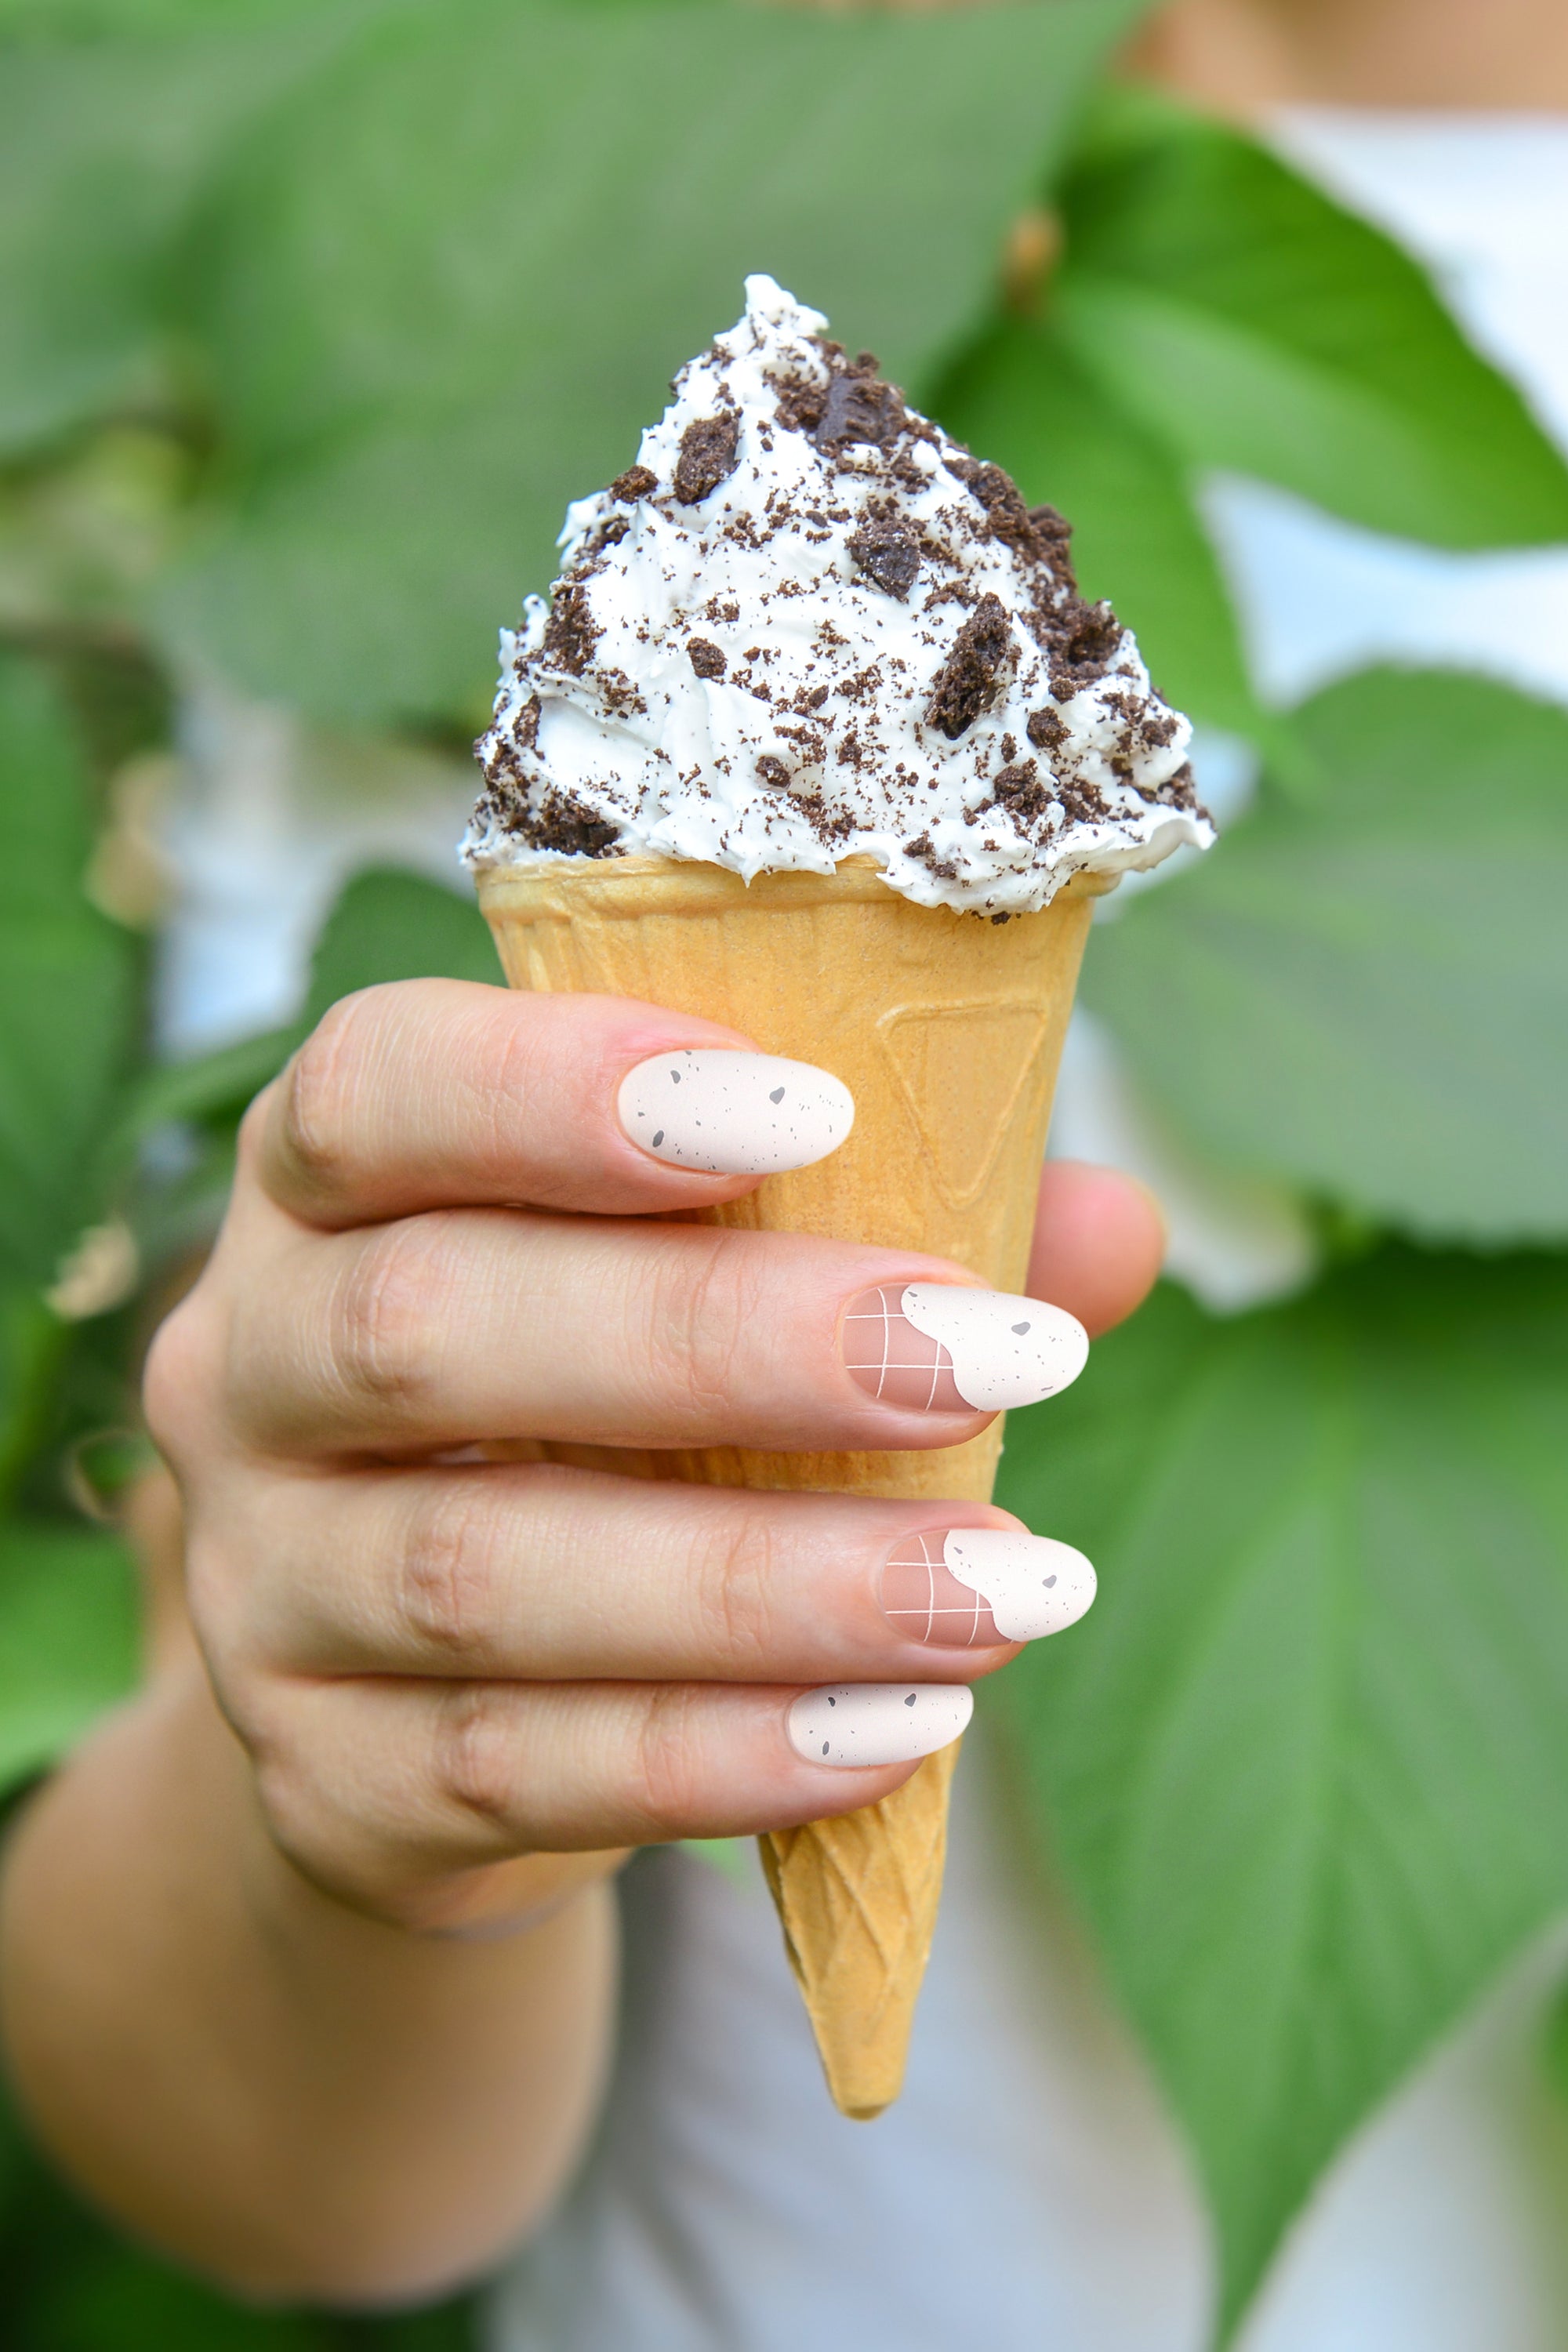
(551, 1574)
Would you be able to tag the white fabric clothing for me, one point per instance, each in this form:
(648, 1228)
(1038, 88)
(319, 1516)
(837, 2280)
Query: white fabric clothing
(728, 2207)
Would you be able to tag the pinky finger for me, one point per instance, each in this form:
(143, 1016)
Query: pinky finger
(377, 1789)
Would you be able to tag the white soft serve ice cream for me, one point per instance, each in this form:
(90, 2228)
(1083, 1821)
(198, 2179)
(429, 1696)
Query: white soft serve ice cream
(804, 626)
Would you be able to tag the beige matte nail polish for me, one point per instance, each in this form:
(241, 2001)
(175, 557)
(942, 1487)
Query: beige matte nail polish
(877, 1723)
(724, 1113)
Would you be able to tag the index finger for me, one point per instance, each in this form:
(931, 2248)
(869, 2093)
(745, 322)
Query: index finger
(432, 1094)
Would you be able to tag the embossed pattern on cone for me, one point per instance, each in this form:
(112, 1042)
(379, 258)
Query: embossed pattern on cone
(947, 1030)
(858, 1900)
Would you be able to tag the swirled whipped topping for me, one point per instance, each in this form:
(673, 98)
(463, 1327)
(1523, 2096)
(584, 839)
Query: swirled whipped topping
(806, 626)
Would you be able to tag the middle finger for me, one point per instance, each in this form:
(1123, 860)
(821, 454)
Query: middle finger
(475, 1324)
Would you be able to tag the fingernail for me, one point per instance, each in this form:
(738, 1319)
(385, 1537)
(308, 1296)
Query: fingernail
(932, 1347)
(969, 1587)
(877, 1723)
(729, 1114)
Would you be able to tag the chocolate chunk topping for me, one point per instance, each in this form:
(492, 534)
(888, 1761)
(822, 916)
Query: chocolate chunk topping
(565, 823)
(999, 494)
(853, 404)
(1053, 536)
(859, 407)
(705, 658)
(570, 633)
(802, 400)
(1089, 643)
(634, 484)
(774, 772)
(922, 849)
(617, 692)
(708, 455)
(1181, 791)
(1046, 730)
(967, 679)
(887, 554)
(1020, 790)
(525, 726)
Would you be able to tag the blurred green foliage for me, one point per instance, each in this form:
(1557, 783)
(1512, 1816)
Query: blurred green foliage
(1309, 1763)
(311, 321)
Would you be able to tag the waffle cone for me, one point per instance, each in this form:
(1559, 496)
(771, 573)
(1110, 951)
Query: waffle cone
(947, 1029)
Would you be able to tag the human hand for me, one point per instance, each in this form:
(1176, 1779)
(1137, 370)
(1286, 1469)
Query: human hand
(466, 1685)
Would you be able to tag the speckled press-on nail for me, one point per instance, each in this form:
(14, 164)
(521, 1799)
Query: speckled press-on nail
(877, 1723)
(730, 1114)
(968, 1588)
(931, 1347)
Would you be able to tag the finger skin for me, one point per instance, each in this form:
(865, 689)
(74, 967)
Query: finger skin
(431, 1093)
(540, 1572)
(376, 1789)
(1099, 1239)
(468, 1325)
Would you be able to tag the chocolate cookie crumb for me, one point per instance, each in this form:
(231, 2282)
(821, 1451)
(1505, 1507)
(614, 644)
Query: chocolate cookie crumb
(570, 633)
(774, 772)
(858, 407)
(886, 553)
(525, 726)
(634, 484)
(563, 823)
(708, 450)
(1044, 730)
(1020, 791)
(1089, 644)
(967, 679)
(1053, 536)
(706, 658)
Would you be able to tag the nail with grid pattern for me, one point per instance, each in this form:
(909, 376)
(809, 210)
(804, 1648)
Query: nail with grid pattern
(976, 1588)
(929, 1347)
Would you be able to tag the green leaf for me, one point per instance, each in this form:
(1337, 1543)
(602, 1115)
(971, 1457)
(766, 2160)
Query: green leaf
(389, 925)
(32, 1351)
(1365, 988)
(68, 1640)
(1306, 1763)
(1256, 325)
(103, 143)
(385, 924)
(430, 326)
(1021, 398)
(124, 2300)
(69, 987)
(209, 1088)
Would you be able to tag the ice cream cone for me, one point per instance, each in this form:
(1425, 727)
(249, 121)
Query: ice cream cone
(948, 1029)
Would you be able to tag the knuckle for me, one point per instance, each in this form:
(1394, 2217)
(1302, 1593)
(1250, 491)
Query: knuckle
(175, 1377)
(249, 1142)
(446, 1575)
(734, 1572)
(316, 1094)
(474, 1764)
(701, 1323)
(382, 1315)
(667, 1778)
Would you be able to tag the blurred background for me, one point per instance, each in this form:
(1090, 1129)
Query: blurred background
(313, 316)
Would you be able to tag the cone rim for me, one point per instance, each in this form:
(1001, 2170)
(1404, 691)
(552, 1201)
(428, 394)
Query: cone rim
(639, 885)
